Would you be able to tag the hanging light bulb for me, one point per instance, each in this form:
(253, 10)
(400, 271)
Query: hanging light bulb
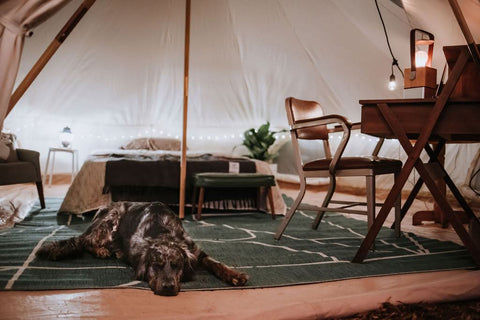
(392, 83)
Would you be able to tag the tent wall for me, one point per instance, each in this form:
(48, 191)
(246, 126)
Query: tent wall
(119, 74)
(16, 20)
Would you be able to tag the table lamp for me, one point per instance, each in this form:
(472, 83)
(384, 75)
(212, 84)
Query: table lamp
(420, 79)
(66, 137)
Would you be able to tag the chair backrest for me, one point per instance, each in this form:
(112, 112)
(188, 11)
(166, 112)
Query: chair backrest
(300, 110)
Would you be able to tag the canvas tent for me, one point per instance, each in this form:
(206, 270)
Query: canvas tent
(119, 75)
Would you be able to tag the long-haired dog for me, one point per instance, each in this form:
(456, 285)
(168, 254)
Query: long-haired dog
(151, 238)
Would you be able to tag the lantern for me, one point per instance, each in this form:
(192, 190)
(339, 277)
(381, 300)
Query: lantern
(420, 79)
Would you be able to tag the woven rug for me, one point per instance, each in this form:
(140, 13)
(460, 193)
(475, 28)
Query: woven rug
(245, 242)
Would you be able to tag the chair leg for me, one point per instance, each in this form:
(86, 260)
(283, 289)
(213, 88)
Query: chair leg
(194, 199)
(293, 208)
(270, 200)
(398, 212)
(326, 201)
(40, 194)
(200, 203)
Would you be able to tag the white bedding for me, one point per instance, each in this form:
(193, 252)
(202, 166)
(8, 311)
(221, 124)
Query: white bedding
(86, 192)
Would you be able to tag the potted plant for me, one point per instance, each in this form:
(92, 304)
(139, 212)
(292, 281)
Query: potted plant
(258, 142)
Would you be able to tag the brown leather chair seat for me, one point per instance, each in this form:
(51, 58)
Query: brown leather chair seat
(345, 163)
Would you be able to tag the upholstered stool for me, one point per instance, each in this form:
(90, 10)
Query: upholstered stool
(232, 180)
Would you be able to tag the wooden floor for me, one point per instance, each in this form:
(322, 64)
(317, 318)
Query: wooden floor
(315, 301)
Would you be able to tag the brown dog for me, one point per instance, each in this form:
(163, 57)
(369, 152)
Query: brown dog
(151, 238)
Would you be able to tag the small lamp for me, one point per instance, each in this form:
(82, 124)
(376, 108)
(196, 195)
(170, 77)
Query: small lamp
(66, 137)
(392, 82)
(420, 79)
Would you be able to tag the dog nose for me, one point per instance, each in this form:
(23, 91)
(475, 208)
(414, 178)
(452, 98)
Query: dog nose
(168, 289)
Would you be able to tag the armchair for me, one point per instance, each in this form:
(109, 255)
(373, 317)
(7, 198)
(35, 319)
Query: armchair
(25, 169)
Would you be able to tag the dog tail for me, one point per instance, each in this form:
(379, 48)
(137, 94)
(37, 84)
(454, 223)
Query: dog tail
(222, 271)
(60, 250)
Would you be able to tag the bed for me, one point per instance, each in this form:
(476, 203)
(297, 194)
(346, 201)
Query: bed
(150, 172)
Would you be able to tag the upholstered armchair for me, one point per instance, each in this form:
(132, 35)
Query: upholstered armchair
(23, 168)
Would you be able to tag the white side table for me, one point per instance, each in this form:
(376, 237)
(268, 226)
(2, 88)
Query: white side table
(53, 150)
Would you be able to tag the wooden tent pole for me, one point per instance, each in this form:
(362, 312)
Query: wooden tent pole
(49, 52)
(457, 11)
(183, 164)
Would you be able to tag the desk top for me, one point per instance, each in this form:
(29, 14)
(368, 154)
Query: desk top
(459, 121)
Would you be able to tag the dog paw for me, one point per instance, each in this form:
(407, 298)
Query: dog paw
(119, 254)
(240, 279)
(102, 253)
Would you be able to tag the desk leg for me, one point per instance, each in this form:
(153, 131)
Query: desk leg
(45, 175)
(73, 165)
(437, 215)
(450, 215)
(418, 185)
(51, 169)
(76, 163)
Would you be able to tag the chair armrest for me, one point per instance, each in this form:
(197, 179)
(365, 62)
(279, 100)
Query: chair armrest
(33, 157)
(345, 127)
(357, 126)
(323, 121)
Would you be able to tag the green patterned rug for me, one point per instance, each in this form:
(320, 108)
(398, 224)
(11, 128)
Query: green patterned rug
(245, 242)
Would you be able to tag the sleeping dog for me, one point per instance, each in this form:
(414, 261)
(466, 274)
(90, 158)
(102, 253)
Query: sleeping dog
(151, 238)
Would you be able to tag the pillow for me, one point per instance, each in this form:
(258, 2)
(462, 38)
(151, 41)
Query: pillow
(153, 144)
(7, 148)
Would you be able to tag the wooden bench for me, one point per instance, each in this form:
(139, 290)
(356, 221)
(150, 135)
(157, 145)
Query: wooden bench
(232, 180)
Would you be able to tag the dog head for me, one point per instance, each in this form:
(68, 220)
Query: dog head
(162, 267)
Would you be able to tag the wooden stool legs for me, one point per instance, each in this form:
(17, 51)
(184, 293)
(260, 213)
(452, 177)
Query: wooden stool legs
(201, 197)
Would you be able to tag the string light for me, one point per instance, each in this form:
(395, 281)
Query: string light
(392, 83)
(151, 131)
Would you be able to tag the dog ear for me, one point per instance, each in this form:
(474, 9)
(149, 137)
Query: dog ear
(141, 268)
(189, 265)
(190, 250)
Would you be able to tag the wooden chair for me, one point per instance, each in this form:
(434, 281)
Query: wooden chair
(308, 122)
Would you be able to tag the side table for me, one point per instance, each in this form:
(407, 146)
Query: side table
(52, 151)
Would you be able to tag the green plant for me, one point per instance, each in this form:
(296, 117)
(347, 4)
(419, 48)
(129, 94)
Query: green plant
(258, 142)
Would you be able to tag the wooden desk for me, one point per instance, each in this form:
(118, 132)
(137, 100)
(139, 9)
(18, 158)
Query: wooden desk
(434, 125)
(458, 123)
(425, 120)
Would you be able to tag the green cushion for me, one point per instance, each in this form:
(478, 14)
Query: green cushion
(233, 180)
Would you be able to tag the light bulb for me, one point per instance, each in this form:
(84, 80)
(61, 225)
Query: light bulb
(392, 84)
(421, 58)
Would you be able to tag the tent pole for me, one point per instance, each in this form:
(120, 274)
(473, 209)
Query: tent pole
(457, 11)
(183, 164)
(49, 52)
